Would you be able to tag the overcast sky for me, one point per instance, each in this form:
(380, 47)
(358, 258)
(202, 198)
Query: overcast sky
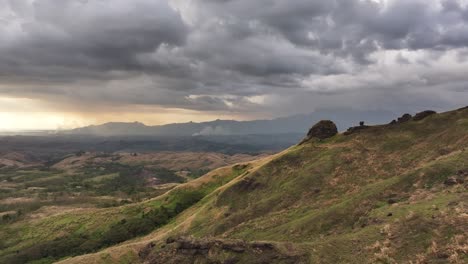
(66, 63)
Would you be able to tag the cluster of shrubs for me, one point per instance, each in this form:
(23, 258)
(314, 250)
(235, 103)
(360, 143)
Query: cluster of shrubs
(128, 181)
(133, 227)
(198, 173)
(166, 176)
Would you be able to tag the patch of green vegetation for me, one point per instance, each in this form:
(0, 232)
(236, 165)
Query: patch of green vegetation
(100, 178)
(167, 176)
(397, 143)
(194, 174)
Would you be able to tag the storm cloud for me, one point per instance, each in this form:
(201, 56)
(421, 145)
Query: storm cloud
(240, 56)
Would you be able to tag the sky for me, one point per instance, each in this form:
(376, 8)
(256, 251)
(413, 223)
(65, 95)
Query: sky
(70, 63)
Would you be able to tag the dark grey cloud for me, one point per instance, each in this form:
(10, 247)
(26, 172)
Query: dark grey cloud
(76, 39)
(352, 27)
(241, 56)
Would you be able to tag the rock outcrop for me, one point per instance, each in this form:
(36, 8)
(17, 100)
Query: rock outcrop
(403, 119)
(423, 114)
(458, 179)
(463, 173)
(210, 250)
(323, 130)
(246, 185)
(453, 181)
(355, 129)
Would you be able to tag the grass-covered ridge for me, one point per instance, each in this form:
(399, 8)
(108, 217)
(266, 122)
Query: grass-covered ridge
(326, 190)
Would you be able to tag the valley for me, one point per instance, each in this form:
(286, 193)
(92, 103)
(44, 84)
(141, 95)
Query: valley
(35, 195)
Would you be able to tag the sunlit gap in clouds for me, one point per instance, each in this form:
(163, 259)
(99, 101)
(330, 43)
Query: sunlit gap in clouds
(29, 114)
(14, 121)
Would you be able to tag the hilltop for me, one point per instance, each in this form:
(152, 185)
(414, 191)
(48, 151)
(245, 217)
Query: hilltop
(392, 193)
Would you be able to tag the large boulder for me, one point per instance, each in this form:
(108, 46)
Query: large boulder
(423, 114)
(323, 130)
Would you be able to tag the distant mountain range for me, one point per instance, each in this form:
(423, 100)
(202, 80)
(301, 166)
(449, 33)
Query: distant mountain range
(344, 118)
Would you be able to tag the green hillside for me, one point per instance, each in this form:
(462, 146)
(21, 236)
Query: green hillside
(394, 193)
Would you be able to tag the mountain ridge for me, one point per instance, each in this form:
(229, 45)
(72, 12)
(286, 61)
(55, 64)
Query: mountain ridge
(282, 125)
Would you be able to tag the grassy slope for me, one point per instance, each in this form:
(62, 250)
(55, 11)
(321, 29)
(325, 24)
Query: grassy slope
(330, 199)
